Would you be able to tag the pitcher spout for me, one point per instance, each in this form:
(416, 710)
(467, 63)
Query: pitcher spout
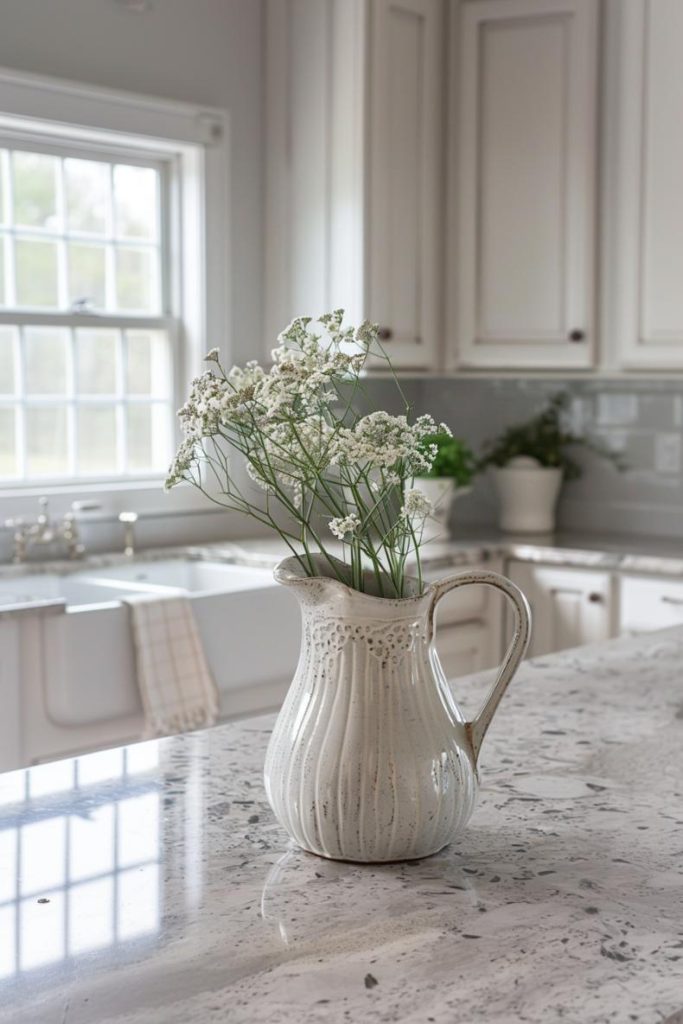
(332, 581)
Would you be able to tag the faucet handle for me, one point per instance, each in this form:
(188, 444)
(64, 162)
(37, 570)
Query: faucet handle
(69, 528)
(85, 506)
(18, 527)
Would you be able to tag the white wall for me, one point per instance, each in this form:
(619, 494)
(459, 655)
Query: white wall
(197, 51)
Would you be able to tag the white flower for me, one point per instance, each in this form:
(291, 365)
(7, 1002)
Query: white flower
(343, 525)
(416, 505)
(184, 458)
(212, 356)
(382, 441)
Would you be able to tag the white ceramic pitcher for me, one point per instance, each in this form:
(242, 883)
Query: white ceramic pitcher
(370, 758)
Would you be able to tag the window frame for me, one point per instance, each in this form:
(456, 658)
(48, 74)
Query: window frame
(190, 145)
(166, 319)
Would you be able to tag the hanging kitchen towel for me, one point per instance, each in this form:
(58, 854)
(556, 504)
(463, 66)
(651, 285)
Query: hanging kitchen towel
(176, 686)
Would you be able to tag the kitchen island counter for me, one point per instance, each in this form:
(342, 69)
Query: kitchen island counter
(151, 884)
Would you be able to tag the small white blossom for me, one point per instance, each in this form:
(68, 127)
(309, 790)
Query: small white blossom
(184, 459)
(380, 441)
(212, 356)
(416, 505)
(343, 525)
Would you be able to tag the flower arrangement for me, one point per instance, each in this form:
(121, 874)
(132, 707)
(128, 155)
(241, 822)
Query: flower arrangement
(297, 429)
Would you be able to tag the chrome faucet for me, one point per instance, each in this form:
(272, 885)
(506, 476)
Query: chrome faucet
(44, 531)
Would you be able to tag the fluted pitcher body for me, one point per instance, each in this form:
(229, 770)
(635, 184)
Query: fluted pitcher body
(370, 759)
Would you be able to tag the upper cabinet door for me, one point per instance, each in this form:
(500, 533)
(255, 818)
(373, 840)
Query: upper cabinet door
(405, 193)
(521, 279)
(645, 164)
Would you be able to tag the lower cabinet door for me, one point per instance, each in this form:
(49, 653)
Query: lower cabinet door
(569, 607)
(465, 648)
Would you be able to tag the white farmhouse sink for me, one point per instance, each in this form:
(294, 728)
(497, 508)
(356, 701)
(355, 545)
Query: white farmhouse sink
(180, 573)
(39, 587)
(89, 654)
(76, 670)
(101, 586)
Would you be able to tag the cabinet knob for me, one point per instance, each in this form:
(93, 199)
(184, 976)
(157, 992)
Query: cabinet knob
(385, 334)
(595, 598)
(577, 334)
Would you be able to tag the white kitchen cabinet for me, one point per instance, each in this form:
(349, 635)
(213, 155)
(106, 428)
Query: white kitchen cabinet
(464, 649)
(522, 125)
(468, 625)
(569, 607)
(643, 265)
(648, 603)
(354, 158)
(406, 131)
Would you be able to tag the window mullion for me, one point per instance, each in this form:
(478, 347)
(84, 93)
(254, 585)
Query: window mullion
(10, 273)
(121, 407)
(110, 253)
(71, 404)
(62, 265)
(20, 422)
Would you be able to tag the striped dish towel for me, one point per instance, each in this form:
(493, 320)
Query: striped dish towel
(177, 689)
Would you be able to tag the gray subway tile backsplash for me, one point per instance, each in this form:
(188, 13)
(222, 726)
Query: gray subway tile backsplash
(642, 419)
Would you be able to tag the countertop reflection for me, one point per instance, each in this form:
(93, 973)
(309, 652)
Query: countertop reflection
(150, 884)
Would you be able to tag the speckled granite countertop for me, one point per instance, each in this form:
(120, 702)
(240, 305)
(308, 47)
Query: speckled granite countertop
(151, 885)
(620, 553)
(627, 554)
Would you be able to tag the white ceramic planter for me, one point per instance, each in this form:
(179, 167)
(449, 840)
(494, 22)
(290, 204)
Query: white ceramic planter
(370, 758)
(528, 494)
(441, 491)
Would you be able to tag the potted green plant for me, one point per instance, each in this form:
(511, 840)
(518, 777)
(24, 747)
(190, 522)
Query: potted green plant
(530, 461)
(449, 477)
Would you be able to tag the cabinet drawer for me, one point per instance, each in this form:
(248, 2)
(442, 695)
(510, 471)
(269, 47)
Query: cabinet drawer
(569, 607)
(648, 604)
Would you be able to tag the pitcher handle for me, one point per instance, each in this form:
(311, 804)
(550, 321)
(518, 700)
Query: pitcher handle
(477, 728)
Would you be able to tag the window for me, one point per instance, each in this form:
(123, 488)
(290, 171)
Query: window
(87, 341)
(94, 360)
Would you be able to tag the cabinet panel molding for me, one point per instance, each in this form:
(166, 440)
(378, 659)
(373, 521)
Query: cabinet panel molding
(644, 259)
(525, 167)
(315, 111)
(405, 196)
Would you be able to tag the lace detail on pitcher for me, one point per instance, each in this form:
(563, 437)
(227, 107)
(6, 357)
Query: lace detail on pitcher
(387, 643)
